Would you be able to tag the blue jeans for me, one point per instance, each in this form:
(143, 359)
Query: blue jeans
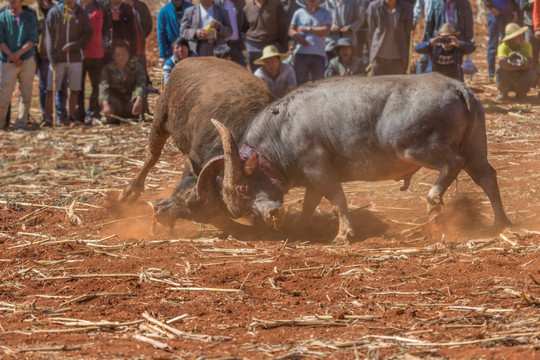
(496, 25)
(308, 67)
(61, 95)
(424, 64)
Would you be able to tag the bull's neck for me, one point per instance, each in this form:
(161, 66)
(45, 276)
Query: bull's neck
(269, 168)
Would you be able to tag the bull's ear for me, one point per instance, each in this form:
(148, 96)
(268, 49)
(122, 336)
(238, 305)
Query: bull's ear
(195, 168)
(251, 165)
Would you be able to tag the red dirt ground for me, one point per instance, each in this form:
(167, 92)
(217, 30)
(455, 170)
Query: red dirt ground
(402, 290)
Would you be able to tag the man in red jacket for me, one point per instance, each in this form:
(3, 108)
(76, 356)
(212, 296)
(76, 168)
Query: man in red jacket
(93, 59)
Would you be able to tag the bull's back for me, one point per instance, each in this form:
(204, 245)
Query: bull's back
(203, 88)
(364, 124)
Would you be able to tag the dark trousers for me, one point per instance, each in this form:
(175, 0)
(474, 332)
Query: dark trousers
(309, 67)
(496, 25)
(121, 106)
(93, 68)
(519, 81)
(61, 94)
(236, 52)
(387, 67)
(529, 37)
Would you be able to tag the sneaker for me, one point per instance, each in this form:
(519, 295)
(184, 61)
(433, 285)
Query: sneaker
(502, 97)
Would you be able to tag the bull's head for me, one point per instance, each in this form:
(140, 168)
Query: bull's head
(246, 190)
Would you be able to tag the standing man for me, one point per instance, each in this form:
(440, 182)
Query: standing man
(42, 7)
(527, 7)
(265, 24)
(94, 53)
(143, 27)
(168, 26)
(500, 14)
(390, 25)
(204, 26)
(68, 32)
(236, 19)
(345, 22)
(309, 27)
(18, 34)
(123, 27)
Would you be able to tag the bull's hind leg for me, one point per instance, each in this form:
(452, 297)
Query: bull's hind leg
(158, 137)
(447, 162)
(485, 176)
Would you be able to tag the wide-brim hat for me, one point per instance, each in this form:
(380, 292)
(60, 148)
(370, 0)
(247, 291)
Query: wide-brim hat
(270, 51)
(447, 30)
(513, 30)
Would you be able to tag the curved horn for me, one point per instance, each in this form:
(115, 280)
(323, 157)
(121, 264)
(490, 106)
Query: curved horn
(233, 169)
(205, 182)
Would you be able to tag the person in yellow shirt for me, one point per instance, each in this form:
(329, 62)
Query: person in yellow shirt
(516, 69)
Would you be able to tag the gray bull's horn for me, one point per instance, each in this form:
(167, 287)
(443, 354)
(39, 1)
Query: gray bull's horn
(207, 177)
(233, 169)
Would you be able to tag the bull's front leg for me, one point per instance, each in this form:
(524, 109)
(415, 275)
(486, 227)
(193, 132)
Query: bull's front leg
(322, 176)
(158, 137)
(312, 198)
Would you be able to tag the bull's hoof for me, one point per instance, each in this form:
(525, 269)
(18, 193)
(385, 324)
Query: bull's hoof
(501, 224)
(130, 194)
(343, 237)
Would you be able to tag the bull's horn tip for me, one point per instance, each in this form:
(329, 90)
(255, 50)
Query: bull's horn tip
(215, 122)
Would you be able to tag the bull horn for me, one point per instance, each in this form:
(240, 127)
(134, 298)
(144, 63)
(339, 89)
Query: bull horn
(233, 169)
(207, 177)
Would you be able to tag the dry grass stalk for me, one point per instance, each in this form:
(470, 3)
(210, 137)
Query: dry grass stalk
(203, 289)
(93, 296)
(154, 343)
(182, 333)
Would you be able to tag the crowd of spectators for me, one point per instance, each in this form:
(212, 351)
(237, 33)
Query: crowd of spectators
(286, 43)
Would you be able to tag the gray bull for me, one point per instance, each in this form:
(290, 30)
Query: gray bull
(345, 129)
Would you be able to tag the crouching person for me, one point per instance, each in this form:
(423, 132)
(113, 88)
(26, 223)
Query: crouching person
(345, 63)
(279, 77)
(446, 51)
(516, 69)
(122, 87)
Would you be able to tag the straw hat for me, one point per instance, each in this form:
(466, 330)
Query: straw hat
(513, 30)
(28, 2)
(447, 30)
(269, 51)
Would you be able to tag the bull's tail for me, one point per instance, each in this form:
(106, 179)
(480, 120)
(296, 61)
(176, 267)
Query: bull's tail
(475, 111)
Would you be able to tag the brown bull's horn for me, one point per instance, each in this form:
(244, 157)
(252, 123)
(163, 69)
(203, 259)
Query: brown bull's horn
(207, 177)
(233, 170)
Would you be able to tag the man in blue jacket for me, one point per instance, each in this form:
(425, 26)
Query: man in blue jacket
(168, 26)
